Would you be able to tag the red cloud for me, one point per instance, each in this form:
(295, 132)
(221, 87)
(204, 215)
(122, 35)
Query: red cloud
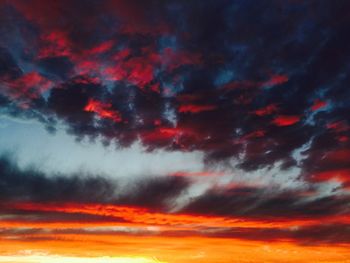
(103, 110)
(122, 54)
(83, 79)
(155, 87)
(174, 59)
(101, 48)
(193, 108)
(269, 109)
(240, 84)
(114, 73)
(343, 138)
(141, 74)
(276, 80)
(342, 155)
(338, 126)
(29, 86)
(286, 120)
(84, 67)
(188, 97)
(164, 135)
(138, 71)
(161, 134)
(251, 135)
(340, 175)
(273, 81)
(318, 104)
(255, 134)
(55, 44)
(46, 14)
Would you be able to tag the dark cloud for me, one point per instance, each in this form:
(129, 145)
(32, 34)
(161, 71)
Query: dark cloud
(257, 203)
(60, 67)
(14, 215)
(155, 192)
(310, 235)
(327, 234)
(8, 68)
(188, 55)
(30, 185)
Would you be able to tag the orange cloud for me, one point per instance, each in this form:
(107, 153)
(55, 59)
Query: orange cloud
(103, 110)
(143, 216)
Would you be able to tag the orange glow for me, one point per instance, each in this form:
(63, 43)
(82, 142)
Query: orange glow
(66, 259)
(173, 249)
(141, 216)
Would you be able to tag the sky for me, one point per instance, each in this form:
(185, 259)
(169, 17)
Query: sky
(153, 131)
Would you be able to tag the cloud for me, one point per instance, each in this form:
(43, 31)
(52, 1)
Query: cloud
(284, 120)
(137, 72)
(318, 104)
(148, 73)
(62, 204)
(19, 185)
(103, 110)
(256, 202)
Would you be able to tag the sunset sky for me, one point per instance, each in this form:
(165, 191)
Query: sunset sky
(178, 131)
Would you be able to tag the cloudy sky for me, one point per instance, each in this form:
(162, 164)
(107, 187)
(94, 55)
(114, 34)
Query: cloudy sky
(174, 131)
